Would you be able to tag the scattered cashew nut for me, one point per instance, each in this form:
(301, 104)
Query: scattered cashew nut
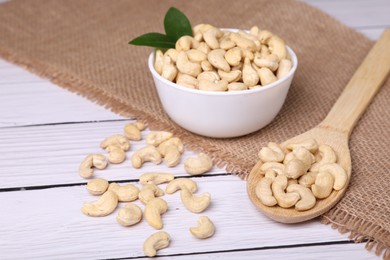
(97, 186)
(146, 154)
(129, 215)
(198, 165)
(98, 161)
(116, 140)
(195, 203)
(153, 211)
(181, 183)
(104, 206)
(127, 192)
(205, 228)
(157, 241)
(156, 178)
(149, 192)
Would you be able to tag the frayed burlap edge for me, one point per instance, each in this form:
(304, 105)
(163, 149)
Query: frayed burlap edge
(344, 223)
(221, 159)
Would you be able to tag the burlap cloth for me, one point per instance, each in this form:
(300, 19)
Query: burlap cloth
(82, 46)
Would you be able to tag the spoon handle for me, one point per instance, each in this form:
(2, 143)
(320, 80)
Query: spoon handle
(362, 88)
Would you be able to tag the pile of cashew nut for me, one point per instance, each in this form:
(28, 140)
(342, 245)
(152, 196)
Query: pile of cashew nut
(217, 60)
(161, 146)
(298, 176)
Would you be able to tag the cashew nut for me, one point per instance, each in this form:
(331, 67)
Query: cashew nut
(195, 55)
(115, 154)
(338, 173)
(129, 215)
(186, 80)
(232, 76)
(198, 165)
(284, 67)
(211, 37)
(271, 174)
(195, 203)
(217, 59)
(294, 169)
(181, 183)
(307, 200)
(97, 186)
(149, 192)
(285, 200)
(172, 53)
(184, 65)
(203, 47)
(169, 71)
(157, 137)
(205, 228)
(104, 206)
(226, 43)
(157, 241)
(133, 131)
(116, 140)
(271, 153)
(327, 155)
(185, 43)
(323, 185)
(288, 157)
(127, 192)
(206, 65)
(153, 211)
(234, 56)
(264, 192)
(264, 36)
(217, 85)
(98, 161)
(209, 76)
(305, 156)
(155, 178)
(249, 74)
(270, 61)
(237, 86)
(158, 61)
(277, 46)
(146, 154)
(308, 179)
(243, 42)
(309, 144)
(266, 76)
(171, 150)
(254, 30)
(275, 166)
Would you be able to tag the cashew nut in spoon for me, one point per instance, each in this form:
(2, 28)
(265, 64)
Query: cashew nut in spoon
(323, 185)
(195, 203)
(156, 178)
(149, 192)
(326, 154)
(181, 183)
(146, 154)
(153, 211)
(104, 206)
(116, 140)
(205, 228)
(271, 153)
(157, 241)
(98, 161)
(97, 186)
(198, 165)
(339, 174)
(307, 200)
(308, 179)
(303, 154)
(285, 200)
(294, 169)
(129, 215)
(310, 144)
(275, 166)
(127, 192)
(264, 192)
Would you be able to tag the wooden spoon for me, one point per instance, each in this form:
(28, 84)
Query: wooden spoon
(335, 130)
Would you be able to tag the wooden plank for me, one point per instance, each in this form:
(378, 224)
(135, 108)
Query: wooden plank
(48, 224)
(320, 252)
(51, 154)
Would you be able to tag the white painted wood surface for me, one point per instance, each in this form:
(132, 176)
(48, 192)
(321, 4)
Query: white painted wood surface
(45, 132)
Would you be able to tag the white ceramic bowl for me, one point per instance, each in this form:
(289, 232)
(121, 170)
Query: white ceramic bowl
(223, 114)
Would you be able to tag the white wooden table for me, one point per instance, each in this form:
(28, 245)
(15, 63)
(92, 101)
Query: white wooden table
(45, 132)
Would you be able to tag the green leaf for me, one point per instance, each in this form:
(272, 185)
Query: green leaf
(176, 24)
(153, 39)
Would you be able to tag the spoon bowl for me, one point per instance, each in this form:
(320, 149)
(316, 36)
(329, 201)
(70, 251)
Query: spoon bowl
(334, 131)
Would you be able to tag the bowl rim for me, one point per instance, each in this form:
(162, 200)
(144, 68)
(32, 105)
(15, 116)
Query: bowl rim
(277, 83)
